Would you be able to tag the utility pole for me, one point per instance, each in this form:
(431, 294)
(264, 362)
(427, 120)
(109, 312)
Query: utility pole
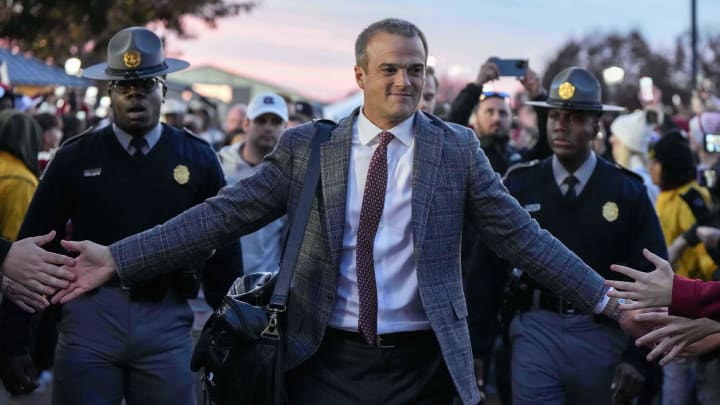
(693, 42)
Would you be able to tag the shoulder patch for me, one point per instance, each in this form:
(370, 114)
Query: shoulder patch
(629, 173)
(195, 136)
(517, 168)
(78, 136)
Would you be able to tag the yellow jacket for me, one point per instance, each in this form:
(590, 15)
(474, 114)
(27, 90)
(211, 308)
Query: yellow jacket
(676, 218)
(17, 186)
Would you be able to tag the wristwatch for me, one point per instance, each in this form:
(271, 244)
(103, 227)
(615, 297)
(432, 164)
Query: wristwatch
(615, 314)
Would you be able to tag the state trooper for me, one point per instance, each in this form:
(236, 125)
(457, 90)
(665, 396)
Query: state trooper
(124, 343)
(602, 213)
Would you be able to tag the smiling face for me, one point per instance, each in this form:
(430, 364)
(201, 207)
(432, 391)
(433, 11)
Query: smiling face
(136, 109)
(570, 135)
(393, 79)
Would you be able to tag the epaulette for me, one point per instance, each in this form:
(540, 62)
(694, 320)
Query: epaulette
(520, 166)
(76, 137)
(629, 173)
(195, 136)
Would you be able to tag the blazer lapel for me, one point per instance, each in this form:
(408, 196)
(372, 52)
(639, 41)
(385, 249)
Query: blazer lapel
(334, 166)
(426, 162)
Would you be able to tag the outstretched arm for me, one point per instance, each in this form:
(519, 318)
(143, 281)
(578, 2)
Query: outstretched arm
(93, 267)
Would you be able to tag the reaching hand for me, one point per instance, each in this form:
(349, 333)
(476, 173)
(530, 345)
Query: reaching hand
(531, 82)
(488, 72)
(35, 268)
(627, 383)
(652, 289)
(635, 327)
(677, 333)
(21, 296)
(479, 366)
(93, 268)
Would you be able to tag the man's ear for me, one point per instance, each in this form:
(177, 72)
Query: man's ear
(360, 77)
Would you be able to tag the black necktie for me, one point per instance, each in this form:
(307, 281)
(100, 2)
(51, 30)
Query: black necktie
(571, 194)
(138, 143)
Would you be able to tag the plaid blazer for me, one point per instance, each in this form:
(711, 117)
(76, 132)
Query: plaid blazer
(452, 180)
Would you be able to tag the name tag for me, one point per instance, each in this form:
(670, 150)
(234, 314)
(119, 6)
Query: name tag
(532, 207)
(92, 172)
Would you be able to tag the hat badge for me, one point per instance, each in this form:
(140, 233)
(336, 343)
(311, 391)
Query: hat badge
(131, 59)
(566, 90)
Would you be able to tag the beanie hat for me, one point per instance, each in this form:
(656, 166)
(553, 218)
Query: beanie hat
(632, 130)
(673, 152)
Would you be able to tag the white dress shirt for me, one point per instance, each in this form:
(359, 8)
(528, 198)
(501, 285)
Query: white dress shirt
(399, 306)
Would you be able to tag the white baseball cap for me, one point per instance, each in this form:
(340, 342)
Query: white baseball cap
(265, 103)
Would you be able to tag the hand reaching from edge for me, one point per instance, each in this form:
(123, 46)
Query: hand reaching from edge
(674, 335)
(23, 297)
(649, 290)
(34, 267)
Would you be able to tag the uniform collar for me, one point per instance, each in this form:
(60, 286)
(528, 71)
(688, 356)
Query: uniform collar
(124, 138)
(583, 172)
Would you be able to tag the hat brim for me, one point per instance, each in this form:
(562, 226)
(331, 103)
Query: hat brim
(603, 107)
(99, 71)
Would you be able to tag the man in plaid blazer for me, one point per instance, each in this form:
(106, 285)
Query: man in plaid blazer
(437, 175)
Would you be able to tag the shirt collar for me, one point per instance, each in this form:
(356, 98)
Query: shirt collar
(367, 131)
(583, 172)
(124, 138)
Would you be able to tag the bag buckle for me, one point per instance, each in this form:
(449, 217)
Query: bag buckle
(271, 330)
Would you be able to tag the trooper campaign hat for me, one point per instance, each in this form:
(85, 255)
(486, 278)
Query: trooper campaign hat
(134, 53)
(575, 89)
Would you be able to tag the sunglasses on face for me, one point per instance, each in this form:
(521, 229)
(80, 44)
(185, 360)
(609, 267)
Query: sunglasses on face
(497, 94)
(144, 86)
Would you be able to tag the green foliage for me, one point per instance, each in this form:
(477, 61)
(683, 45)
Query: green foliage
(58, 28)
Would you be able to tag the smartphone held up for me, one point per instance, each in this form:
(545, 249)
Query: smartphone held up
(511, 67)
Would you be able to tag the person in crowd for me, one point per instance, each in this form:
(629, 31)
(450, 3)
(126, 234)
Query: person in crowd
(630, 140)
(681, 204)
(378, 278)
(430, 91)
(124, 342)
(299, 113)
(173, 112)
(20, 139)
(561, 354)
(702, 125)
(266, 119)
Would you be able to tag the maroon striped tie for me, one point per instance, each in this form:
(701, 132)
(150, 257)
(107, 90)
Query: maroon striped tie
(370, 213)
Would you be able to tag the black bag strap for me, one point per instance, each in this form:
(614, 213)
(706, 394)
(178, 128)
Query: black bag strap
(323, 128)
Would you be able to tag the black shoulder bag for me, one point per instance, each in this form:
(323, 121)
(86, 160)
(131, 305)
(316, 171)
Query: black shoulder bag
(241, 347)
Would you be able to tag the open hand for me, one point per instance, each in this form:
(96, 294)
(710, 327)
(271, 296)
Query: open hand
(93, 267)
(23, 297)
(34, 267)
(652, 289)
(674, 335)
